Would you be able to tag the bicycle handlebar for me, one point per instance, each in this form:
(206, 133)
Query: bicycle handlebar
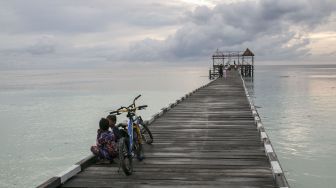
(115, 112)
(131, 107)
(128, 109)
(142, 107)
(136, 98)
(118, 112)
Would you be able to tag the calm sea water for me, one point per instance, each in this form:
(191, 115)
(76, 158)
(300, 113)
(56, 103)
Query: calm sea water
(298, 107)
(48, 118)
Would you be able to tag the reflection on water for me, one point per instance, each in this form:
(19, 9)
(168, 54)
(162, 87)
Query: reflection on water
(297, 108)
(323, 76)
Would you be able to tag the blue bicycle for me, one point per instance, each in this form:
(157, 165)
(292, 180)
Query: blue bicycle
(130, 143)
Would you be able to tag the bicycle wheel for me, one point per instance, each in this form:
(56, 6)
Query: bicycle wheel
(138, 150)
(146, 134)
(125, 157)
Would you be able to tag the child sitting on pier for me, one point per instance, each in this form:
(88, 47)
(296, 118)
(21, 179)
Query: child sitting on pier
(106, 147)
(115, 130)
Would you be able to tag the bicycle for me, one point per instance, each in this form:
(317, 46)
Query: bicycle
(132, 134)
(146, 134)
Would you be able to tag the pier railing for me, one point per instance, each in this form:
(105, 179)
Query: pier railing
(278, 174)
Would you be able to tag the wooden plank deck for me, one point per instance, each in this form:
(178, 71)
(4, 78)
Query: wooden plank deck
(208, 140)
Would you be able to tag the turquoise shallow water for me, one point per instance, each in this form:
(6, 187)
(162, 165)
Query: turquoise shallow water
(48, 118)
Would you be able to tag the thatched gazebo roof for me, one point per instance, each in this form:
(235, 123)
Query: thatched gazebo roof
(248, 52)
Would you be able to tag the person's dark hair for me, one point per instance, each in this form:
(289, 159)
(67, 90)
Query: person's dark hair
(112, 118)
(104, 124)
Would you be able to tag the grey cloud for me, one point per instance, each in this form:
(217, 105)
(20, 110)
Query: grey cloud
(83, 16)
(41, 46)
(148, 49)
(84, 32)
(44, 45)
(81, 30)
(154, 14)
(274, 29)
(41, 49)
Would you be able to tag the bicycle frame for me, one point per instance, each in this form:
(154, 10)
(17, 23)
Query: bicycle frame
(129, 145)
(130, 132)
(133, 123)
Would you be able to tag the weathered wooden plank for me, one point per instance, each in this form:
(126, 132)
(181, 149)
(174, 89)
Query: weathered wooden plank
(126, 183)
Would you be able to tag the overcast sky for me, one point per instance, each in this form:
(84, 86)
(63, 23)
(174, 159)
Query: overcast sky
(81, 33)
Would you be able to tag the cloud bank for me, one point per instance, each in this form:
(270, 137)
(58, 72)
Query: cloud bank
(273, 29)
(86, 33)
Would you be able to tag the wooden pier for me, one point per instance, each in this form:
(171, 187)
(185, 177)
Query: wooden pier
(212, 137)
(227, 60)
